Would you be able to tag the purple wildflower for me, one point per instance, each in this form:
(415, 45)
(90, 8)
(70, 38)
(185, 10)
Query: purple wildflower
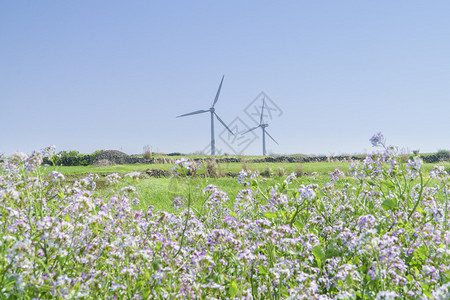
(377, 139)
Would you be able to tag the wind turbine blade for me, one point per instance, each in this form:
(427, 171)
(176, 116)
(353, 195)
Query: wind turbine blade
(271, 137)
(218, 92)
(193, 113)
(251, 129)
(262, 111)
(223, 123)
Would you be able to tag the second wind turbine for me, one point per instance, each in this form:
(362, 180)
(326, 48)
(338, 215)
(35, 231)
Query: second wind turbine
(212, 110)
(263, 127)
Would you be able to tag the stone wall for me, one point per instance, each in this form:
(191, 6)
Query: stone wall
(434, 158)
(115, 157)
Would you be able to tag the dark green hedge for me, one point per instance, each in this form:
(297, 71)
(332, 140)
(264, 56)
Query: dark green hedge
(71, 158)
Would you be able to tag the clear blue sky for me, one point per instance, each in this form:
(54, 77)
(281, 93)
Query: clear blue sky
(89, 75)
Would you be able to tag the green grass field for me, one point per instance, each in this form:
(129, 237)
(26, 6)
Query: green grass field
(321, 168)
(159, 192)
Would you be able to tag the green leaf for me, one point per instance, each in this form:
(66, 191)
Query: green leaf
(270, 215)
(67, 218)
(233, 289)
(262, 270)
(319, 254)
(299, 224)
(94, 228)
(147, 294)
(426, 289)
(349, 280)
(389, 204)
(421, 253)
(332, 251)
(319, 263)
(389, 185)
(220, 278)
(447, 275)
(322, 206)
(157, 264)
(254, 183)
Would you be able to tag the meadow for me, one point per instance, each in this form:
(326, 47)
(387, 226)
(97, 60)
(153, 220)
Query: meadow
(159, 192)
(376, 229)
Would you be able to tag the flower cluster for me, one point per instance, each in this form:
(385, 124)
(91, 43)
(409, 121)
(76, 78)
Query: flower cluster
(290, 178)
(414, 166)
(178, 203)
(245, 176)
(133, 175)
(361, 237)
(113, 178)
(377, 139)
(336, 174)
(216, 197)
(186, 167)
(57, 177)
(438, 171)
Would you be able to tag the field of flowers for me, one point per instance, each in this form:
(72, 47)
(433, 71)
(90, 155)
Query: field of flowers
(379, 232)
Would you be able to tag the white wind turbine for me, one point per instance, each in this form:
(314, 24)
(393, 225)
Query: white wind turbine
(213, 113)
(263, 127)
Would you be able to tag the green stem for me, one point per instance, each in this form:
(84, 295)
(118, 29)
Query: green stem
(418, 198)
(295, 215)
(446, 213)
(185, 224)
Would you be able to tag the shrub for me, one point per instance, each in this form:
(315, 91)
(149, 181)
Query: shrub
(281, 171)
(443, 152)
(245, 165)
(267, 172)
(404, 158)
(299, 170)
(147, 153)
(212, 169)
(72, 158)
